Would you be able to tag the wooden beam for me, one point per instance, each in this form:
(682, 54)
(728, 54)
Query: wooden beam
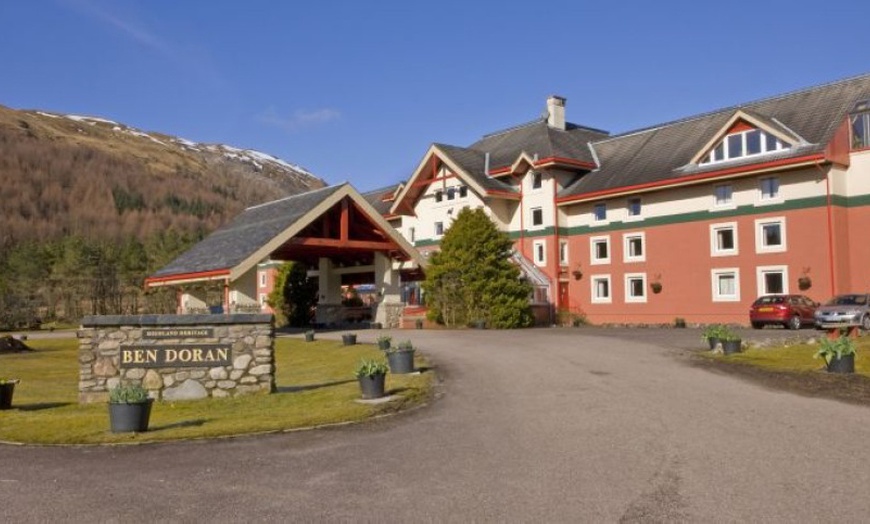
(345, 221)
(353, 244)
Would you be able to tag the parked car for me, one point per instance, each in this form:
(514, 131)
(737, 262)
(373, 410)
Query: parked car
(790, 311)
(845, 310)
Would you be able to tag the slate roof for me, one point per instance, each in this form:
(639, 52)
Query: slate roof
(375, 197)
(473, 162)
(659, 153)
(252, 229)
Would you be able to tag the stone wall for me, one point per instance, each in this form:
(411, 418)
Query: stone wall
(199, 355)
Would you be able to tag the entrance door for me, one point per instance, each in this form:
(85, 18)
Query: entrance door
(564, 301)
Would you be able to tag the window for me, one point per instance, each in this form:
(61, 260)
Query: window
(633, 247)
(439, 229)
(770, 235)
(263, 279)
(263, 298)
(634, 207)
(769, 188)
(600, 288)
(723, 194)
(772, 280)
(563, 252)
(537, 181)
(439, 196)
(635, 287)
(726, 285)
(412, 234)
(463, 191)
(451, 193)
(599, 250)
(540, 251)
(599, 212)
(723, 239)
(860, 121)
(743, 144)
(537, 216)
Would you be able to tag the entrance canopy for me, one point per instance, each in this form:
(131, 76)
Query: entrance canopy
(335, 222)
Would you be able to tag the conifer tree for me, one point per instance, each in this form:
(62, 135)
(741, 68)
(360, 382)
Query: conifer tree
(472, 279)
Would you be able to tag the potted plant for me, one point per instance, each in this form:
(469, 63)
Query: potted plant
(839, 354)
(578, 273)
(418, 323)
(349, 339)
(129, 408)
(731, 342)
(309, 335)
(7, 388)
(804, 281)
(712, 334)
(401, 358)
(371, 375)
(656, 287)
(384, 342)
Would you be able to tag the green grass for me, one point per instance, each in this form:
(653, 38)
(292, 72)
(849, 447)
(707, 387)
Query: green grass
(315, 386)
(795, 358)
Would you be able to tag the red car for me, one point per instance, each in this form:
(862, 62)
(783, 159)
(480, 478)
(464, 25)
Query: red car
(790, 311)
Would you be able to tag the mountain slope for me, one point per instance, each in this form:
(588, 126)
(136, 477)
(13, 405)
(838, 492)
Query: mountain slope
(71, 175)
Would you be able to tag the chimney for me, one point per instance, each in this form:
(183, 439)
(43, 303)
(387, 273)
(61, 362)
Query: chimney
(556, 112)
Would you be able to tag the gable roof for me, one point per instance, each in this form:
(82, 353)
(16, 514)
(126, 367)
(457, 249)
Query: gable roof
(664, 154)
(234, 248)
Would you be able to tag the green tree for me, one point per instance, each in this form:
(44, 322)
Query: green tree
(294, 296)
(472, 278)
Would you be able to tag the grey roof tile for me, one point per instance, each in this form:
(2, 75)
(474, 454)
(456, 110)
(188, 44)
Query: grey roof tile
(375, 197)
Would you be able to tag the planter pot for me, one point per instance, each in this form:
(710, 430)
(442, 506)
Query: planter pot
(731, 346)
(124, 418)
(383, 345)
(844, 364)
(401, 362)
(349, 340)
(309, 337)
(479, 324)
(418, 323)
(372, 387)
(713, 342)
(6, 391)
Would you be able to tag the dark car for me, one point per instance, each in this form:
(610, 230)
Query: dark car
(845, 310)
(790, 311)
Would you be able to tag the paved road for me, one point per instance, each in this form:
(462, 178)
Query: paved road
(536, 425)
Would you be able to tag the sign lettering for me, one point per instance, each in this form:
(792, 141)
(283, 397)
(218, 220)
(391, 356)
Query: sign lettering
(178, 333)
(195, 355)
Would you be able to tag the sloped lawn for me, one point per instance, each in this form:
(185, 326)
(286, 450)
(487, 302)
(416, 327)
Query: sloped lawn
(315, 386)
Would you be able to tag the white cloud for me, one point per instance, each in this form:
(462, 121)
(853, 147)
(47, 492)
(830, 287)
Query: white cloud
(301, 119)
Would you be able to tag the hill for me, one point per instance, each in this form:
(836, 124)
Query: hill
(68, 175)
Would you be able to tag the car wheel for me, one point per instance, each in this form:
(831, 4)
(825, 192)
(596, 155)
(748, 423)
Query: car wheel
(757, 325)
(794, 322)
(865, 323)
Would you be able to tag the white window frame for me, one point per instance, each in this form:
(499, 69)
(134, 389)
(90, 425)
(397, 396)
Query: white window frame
(263, 298)
(563, 252)
(723, 205)
(595, 299)
(437, 224)
(714, 280)
(714, 237)
(593, 259)
(626, 252)
(595, 219)
(778, 145)
(759, 235)
(536, 176)
(263, 279)
(762, 199)
(639, 215)
(532, 217)
(539, 252)
(760, 271)
(629, 298)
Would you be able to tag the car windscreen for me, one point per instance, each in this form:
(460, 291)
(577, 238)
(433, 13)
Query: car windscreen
(769, 300)
(848, 300)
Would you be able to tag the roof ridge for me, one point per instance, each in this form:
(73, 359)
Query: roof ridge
(735, 107)
(289, 197)
(514, 128)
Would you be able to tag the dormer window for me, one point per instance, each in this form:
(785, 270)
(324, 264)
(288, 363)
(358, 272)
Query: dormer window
(860, 120)
(742, 144)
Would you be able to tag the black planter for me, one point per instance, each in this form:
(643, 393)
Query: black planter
(731, 346)
(383, 345)
(6, 391)
(401, 362)
(479, 324)
(418, 323)
(309, 337)
(125, 418)
(844, 364)
(372, 387)
(712, 341)
(348, 340)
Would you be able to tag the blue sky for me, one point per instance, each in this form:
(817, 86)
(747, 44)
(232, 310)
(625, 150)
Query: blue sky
(358, 90)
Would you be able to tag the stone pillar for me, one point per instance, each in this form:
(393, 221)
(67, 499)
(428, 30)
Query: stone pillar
(389, 289)
(329, 288)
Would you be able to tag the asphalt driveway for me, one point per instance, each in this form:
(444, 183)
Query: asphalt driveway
(533, 425)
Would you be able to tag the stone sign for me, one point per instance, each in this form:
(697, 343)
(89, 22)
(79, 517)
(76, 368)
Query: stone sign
(177, 357)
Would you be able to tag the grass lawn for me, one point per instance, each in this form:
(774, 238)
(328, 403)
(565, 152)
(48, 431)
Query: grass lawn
(315, 386)
(795, 358)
